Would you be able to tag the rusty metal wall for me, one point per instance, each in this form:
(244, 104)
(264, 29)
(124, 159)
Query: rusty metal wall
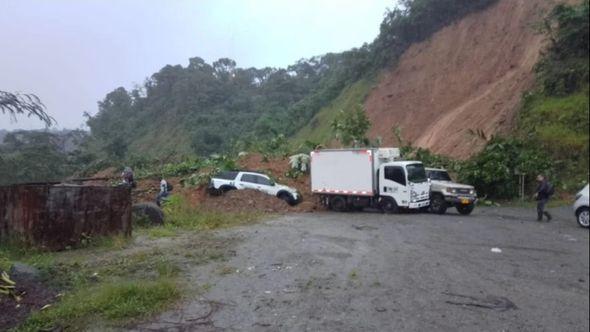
(56, 216)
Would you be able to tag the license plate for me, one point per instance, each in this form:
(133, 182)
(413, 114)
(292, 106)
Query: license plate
(464, 200)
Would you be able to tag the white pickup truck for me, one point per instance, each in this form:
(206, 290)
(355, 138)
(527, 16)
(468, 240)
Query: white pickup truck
(238, 180)
(351, 179)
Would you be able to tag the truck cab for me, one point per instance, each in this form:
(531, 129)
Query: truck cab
(405, 183)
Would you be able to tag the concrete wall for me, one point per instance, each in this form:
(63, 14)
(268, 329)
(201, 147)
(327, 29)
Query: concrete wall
(56, 216)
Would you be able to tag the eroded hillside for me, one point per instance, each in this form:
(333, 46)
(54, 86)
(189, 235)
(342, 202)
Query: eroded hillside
(468, 77)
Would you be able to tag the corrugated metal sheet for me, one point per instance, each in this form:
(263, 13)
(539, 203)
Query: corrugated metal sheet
(56, 216)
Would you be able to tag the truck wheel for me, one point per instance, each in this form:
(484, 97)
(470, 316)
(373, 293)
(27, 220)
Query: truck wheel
(465, 209)
(438, 204)
(338, 203)
(287, 198)
(213, 191)
(388, 205)
(224, 189)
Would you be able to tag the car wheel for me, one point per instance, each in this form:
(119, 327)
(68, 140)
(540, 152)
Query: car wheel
(388, 205)
(338, 203)
(465, 209)
(438, 204)
(583, 217)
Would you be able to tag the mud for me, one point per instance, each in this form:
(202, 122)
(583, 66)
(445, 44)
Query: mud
(409, 272)
(467, 77)
(34, 295)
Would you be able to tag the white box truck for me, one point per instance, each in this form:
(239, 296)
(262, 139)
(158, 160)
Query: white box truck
(347, 179)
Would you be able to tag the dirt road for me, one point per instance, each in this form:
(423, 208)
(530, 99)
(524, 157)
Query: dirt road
(496, 270)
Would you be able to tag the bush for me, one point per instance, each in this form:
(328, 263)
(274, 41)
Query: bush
(494, 171)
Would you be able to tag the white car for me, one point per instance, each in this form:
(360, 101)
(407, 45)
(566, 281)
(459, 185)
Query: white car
(232, 180)
(581, 207)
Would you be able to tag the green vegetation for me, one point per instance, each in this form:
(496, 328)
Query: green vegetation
(111, 301)
(181, 215)
(39, 156)
(15, 104)
(113, 281)
(555, 115)
(213, 108)
(319, 129)
(351, 128)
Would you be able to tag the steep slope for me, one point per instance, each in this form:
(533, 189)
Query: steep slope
(467, 77)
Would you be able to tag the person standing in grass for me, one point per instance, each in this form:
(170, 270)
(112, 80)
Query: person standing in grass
(164, 191)
(127, 177)
(542, 195)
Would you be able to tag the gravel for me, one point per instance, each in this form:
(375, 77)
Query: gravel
(409, 272)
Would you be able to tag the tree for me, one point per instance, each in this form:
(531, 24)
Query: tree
(27, 104)
(351, 127)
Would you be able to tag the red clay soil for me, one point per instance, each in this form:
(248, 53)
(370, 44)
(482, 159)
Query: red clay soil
(249, 200)
(239, 200)
(34, 296)
(468, 76)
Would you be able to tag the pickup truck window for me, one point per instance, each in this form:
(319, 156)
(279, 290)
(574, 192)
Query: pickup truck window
(251, 178)
(262, 180)
(416, 173)
(229, 175)
(396, 174)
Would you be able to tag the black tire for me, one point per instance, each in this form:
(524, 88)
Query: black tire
(438, 204)
(388, 205)
(214, 192)
(338, 203)
(287, 198)
(582, 216)
(465, 209)
(147, 214)
(225, 189)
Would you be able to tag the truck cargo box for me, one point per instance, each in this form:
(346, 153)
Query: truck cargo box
(344, 172)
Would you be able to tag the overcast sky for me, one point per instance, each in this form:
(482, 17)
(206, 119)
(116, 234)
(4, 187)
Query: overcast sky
(71, 53)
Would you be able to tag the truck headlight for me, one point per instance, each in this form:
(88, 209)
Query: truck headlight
(451, 190)
(472, 192)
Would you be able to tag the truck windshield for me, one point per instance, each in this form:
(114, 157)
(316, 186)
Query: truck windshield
(439, 175)
(416, 173)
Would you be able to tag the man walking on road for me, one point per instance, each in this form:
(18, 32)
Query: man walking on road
(542, 195)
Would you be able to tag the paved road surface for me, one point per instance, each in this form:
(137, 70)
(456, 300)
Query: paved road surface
(409, 272)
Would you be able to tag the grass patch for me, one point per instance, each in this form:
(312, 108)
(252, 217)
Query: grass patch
(181, 215)
(160, 232)
(112, 301)
(111, 281)
(11, 252)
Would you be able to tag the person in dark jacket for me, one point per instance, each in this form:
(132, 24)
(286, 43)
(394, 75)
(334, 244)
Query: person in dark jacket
(542, 195)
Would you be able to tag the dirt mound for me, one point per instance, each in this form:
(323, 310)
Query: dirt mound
(240, 200)
(251, 200)
(468, 76)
